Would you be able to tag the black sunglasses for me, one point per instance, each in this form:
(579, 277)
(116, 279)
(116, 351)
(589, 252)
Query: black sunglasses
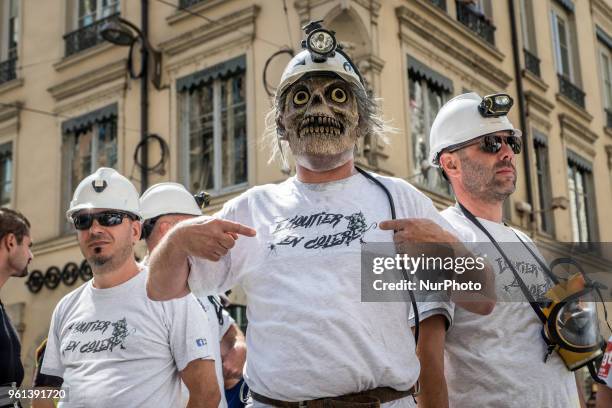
(105, 219)
(492, 144)
(147, 227)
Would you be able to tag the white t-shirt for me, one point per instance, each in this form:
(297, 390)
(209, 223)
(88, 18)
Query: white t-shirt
(117, 348)
(498, 360)
(606, 363)
(218, 330)
(309, 335)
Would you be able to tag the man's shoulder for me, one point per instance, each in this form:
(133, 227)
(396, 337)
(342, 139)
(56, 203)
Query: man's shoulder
(400, 186)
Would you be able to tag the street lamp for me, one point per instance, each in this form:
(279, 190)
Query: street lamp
(120, 31)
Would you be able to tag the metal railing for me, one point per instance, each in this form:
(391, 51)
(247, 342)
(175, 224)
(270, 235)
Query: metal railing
(439, 3)
(571, 91)
(475, 21)
(187, 3)
(86, 37)
(8, 70)
(532, 63)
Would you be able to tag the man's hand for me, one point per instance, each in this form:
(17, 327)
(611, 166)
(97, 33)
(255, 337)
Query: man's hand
(417, 230)
(209, 238)
(201, 380)
(203, 237)
(233, 355)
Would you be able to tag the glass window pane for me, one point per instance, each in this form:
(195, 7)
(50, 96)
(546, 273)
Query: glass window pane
(6, 177)
(605, 68)
(201, 139)
(425, 102)
(573, 200)
(582, 209)
(87, 12)
(233, 125)
(563, 47)
(107, 145)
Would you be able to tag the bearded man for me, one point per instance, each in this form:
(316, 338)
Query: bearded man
(311, 341)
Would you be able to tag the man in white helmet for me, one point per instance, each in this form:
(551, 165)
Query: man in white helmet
(496, 360)
(311, 340)
(163, 205)
(111, 345)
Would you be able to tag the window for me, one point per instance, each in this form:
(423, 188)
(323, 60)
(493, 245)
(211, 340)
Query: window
(428, 91)
(89, 142)
(561, 37)
(90, 11)
(532, 62)
(605, 57)
(86, 20)
(6, 173)
(540, 146)
(477, 16)
(566, 54)
(581, 197)
(9, 38)
(214, 133)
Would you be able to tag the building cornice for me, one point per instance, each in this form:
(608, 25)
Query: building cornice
(574, 109)
(89, 80)
(304, 8)
(241, 21)
(198, 8)
(577, 134)
(9, 118)
(10, 85)
(455, 40)
(82, 56)
(600, 7)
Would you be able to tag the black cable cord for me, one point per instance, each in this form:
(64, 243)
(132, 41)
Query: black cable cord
(269, 89)
(161, 164)
(404, 274)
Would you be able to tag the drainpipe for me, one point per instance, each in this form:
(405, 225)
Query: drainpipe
(144, 98)
(522, 113)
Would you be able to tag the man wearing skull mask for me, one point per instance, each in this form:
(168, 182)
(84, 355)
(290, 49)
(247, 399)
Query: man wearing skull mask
(309, 336)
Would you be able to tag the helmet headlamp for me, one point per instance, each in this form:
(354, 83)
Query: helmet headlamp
(495, 105)
(321, 43)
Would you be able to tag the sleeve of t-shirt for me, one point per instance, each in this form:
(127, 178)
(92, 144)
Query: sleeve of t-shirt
(227, 323)
(190, 334)
(52, 361)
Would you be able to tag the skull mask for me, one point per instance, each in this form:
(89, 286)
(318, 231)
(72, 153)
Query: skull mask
(319, 119)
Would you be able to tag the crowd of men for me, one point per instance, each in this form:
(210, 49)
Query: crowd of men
(155, 334)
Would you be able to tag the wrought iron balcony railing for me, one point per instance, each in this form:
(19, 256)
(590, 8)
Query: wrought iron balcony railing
(608, 118)
(571, 91)
(532, 63)
(439, 3)
(188, 3)
(476, 21)
(86, 37)
(8, 70)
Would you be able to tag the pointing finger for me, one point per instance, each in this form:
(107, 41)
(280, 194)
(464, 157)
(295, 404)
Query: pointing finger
(237, 228)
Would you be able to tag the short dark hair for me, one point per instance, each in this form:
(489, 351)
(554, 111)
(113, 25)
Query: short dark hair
(13, 222)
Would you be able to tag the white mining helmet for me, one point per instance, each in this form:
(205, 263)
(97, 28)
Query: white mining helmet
(168, 198)
(303, 64)
(105, 189)
(460, 120)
